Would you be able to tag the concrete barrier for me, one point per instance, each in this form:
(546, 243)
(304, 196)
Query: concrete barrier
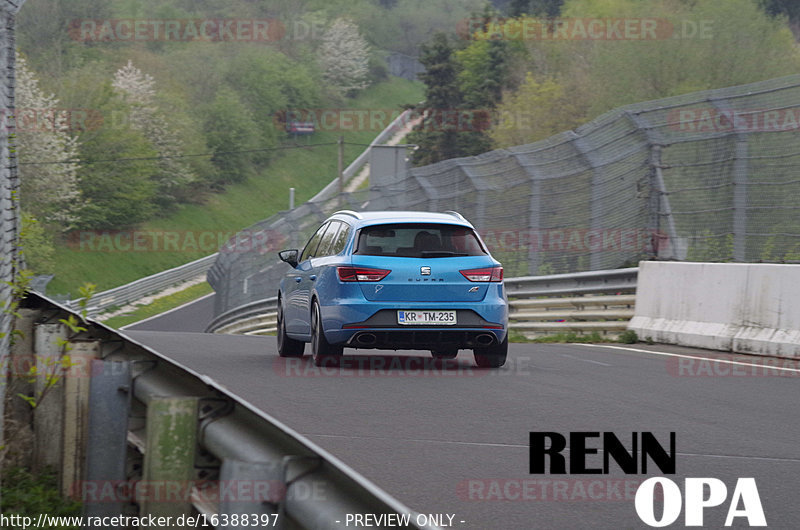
(743, 308)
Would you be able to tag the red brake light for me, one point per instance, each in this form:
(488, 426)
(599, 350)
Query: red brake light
(361, 274)
(487, 274)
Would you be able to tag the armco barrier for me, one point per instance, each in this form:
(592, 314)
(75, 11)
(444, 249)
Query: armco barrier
(583, 302)
(136, 290)
(743, 308)
(132, 432)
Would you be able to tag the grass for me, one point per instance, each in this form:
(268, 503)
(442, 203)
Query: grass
(29, 495)
(160, 305)
(307, 169)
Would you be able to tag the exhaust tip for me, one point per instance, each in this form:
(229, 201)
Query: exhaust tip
(366, 339)
(485, 339)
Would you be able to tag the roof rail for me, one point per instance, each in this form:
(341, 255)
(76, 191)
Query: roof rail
(455, 214)
(349, 212)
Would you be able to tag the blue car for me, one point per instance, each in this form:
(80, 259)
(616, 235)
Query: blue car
(393, 280)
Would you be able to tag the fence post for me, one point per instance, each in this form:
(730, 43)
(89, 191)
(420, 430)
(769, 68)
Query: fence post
(740, 167)
(597, 199)
(739, 181)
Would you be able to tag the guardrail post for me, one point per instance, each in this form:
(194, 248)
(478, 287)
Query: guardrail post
(77, 379)
(171, 444)
(48, 417)
(106, 448)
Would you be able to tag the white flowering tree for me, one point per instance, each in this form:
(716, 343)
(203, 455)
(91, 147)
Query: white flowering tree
(344, 58)
(48, 190)
(138, 91)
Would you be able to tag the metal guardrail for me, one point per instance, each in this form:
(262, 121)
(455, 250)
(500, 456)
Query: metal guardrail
(600, 301)
(583, 302)
(136, 290)
(159, 439)
(253, 318)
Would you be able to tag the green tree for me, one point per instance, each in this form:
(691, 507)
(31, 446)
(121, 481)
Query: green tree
(788, 8)
(117, 193)
(49, 32)
(173, 175)
(438, 141)
(113, 194)
(49, 192)
(537, 110)
(707, 44)
(344, 58)
(36, 246)
(267, 82)
(483, 74)
(230, 128)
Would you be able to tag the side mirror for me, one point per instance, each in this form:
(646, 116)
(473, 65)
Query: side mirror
(289, 256)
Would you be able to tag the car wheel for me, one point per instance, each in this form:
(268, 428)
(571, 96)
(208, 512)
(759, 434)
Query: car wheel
(492, 357)
(322, 351)
(287, 346)
(449, 353)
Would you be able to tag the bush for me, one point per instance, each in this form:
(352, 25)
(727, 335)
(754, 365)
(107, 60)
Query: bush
(26, 494)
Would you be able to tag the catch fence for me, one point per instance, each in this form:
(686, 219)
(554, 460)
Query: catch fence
(707, 176)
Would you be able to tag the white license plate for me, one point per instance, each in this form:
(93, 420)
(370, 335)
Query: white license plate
(426, 318)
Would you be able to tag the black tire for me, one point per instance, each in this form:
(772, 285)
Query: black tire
(450, 353)
(287, 346)
(492, 357)
(323, 352)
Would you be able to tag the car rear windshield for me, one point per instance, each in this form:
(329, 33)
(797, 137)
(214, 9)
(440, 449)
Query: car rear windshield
(418, 241)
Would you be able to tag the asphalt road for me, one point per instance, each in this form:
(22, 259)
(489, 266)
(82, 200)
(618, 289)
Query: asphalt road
(454, 439)
(193, 316)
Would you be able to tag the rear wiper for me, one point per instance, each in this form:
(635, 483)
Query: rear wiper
(440, 254)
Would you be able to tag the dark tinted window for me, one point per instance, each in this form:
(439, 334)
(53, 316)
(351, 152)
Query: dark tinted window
(418, 240)
(313, 243)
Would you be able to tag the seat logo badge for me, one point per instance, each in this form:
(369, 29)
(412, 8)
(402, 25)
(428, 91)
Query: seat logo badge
(473, 289)
(425, 271)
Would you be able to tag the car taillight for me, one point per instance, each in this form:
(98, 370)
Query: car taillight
(361, 274)
(487, 274)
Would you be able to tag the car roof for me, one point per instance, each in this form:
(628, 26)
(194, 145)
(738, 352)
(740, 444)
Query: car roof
(370, 218)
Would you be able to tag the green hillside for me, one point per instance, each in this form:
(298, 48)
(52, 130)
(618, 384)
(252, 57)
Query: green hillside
(307, 169)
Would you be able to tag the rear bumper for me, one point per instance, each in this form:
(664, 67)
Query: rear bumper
(344, 318)
(382, 331)
(424, 338)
